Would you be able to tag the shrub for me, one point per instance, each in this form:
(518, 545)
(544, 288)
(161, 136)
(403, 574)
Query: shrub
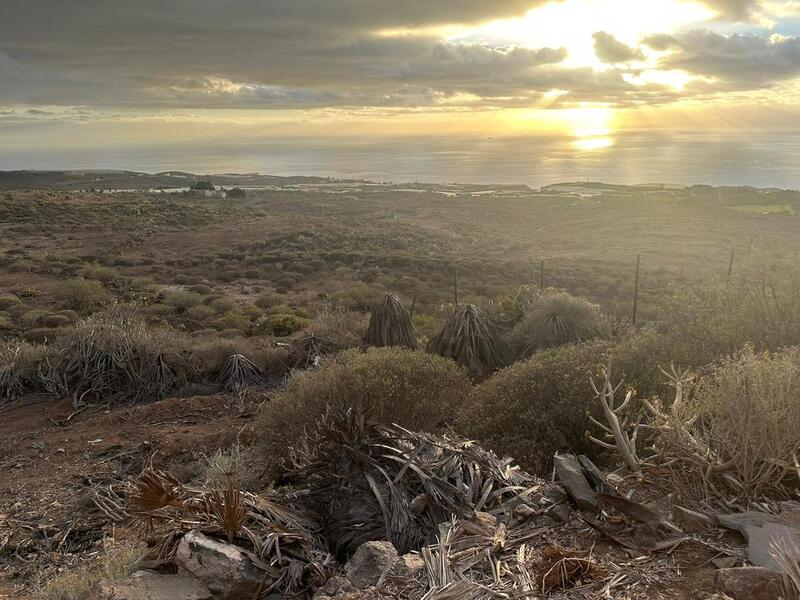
(392, 385)
(748, 418)
(223, 304)
(8, 300)
(537, 407)
(269, 300)
(281, 325)
(99, 273)
(5, 323)
(390, 325)
(555, 319)
(341, 326)
(201, 312)
(760, 305)
(41, 335)
(84, 295)
(182, 301)
(232, 320)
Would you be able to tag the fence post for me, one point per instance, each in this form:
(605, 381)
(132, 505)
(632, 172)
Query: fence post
(636, 291)
(730, 263)
(455, 289)
(541, 274)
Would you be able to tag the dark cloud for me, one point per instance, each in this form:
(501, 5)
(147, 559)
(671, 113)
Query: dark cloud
(313, 53)
(610, 50)
(738, 61)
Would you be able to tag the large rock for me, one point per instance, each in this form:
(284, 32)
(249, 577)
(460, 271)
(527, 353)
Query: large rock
(749, 583)
(570, 473)
(146, 585)
(223, 568)
(371, 563)
(760, 530)
(761, 539)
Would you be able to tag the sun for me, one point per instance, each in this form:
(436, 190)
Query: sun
(570, 24)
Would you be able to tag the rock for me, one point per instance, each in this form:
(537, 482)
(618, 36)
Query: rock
(691, 521)
(485, 520)
(554, 493)
(725, 562)
(371, 563)
(223, 568)
(741, 521)
(419, 504)
(759, 530)
(571, 475)
(561, 512)
(333, 587)
(146, 585)
(596, 478)
(523, 512)
(544, 521)
(760, 540)
(408, 565)
(749, 583)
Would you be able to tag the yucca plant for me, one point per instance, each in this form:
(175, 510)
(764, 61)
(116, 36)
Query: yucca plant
(239, 371)
(471, 338)
(390, 325)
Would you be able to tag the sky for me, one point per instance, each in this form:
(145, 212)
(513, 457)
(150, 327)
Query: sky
(99, 75)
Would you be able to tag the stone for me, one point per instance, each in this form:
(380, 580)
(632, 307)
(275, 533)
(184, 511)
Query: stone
(523, 512)
(691, 521)
(553, 493)
(370, 563)
(741, 521)
(595, 476)
(760, 540)
(485, 520)
(408, 566)
(419, 504)
(223, 568)
(749, 583)
(544, 521)
(561, 512)
(333, 587)
(570, 473)
(146, 585)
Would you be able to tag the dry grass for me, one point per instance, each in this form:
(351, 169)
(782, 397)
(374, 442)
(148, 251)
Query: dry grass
(739, 425)
(390, 325)
(472, 339)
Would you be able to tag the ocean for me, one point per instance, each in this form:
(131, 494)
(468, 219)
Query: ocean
(761, 159)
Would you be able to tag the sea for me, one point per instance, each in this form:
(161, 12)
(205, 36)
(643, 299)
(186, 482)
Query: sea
(755, 158)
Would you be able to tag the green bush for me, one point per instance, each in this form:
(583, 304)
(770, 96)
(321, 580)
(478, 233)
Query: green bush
(6, 324)
(8, 300)
(99, 273)
(84, 295)
(391, 385)
(201, 312)
(281, 325)
(232, 320)
(223, 304)
(535, 408)
(41, 335)
(555, 319)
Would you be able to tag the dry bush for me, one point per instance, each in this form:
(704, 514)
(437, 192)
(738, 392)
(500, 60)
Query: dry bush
(83, 295)
(338, 324)
(745, 414)
(391, 385)
(20, 363)
(237, 465)
(470, 337)
(390, 325)
(119, 560)
(114, 356)
(536, 408)
(554, 319)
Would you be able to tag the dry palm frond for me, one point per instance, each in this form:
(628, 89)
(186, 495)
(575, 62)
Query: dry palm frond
(365, 481)
(390, 325)
(470, 338)
(240, 371)
(564, 568)
(154, 490)
(786, 553)
(228, 509)
(306, 352)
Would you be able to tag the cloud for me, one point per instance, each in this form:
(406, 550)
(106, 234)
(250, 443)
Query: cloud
(610, 50)
(737, 10)
(738, 61)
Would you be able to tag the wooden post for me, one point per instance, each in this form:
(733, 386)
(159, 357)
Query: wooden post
(541, 274)
(636, 291)
(455, 289)
(730, 262)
